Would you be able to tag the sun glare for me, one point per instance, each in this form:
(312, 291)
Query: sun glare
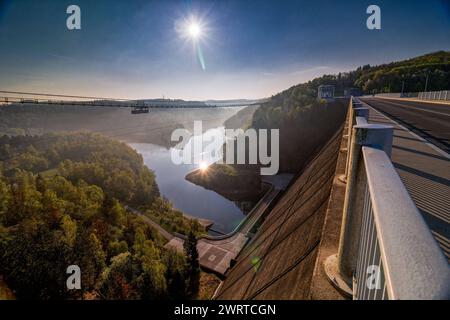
(203, 166)
(194, 30)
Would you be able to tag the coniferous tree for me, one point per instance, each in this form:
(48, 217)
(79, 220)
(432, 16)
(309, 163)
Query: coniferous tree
(175, 275)
(192, 266)
(5, 198)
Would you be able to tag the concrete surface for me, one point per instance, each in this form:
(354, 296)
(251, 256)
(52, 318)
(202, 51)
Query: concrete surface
(279, 260)
(321, 288)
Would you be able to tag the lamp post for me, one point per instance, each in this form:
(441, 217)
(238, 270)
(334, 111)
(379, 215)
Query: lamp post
(403, 86)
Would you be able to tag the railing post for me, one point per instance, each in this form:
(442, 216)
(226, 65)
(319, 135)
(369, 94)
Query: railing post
(340, 267)
(361, 112)
(350, 117)
(351, 122)
(353, 113)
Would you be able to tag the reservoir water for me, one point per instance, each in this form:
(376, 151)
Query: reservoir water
(193, 200)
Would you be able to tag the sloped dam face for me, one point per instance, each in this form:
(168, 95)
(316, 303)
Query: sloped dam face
(279, 260)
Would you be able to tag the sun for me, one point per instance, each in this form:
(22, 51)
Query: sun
(203, 166)
(194, 30)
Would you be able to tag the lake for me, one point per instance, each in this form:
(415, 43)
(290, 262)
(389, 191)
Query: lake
(193, 200)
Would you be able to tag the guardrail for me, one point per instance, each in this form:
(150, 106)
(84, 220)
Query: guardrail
(386, 250)
(434, 95)
(424, 95)
(397, 94)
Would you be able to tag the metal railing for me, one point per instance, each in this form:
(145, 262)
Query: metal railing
(435, 95)
(443, 95)
(398, 257)
(368, 257)
(386, 250)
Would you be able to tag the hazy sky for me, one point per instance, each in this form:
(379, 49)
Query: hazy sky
(250, 48)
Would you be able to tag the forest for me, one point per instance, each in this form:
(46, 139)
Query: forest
(382, 78)
(62, 202)
(305, 123)
(413, 72)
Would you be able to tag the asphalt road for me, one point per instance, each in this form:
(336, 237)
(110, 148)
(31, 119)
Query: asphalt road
(428, 120)
(423, 166)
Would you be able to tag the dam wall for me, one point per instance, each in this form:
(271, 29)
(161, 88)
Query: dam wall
(279, 261)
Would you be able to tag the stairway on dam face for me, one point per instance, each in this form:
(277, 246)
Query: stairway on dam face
(278, 262)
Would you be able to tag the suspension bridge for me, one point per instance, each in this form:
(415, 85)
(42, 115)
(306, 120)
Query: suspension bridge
(137, 105)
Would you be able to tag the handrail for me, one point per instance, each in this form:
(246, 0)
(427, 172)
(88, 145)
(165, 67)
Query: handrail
(413, 264)
(361, 120)
(386, 250)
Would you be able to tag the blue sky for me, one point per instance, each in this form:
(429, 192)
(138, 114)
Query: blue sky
(251, 49)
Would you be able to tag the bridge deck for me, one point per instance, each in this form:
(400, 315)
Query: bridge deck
(423, 168)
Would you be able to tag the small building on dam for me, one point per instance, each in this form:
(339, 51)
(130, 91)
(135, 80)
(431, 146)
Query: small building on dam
(326, 92)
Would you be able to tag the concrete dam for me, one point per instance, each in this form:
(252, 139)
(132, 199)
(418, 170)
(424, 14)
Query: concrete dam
(279, 260)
